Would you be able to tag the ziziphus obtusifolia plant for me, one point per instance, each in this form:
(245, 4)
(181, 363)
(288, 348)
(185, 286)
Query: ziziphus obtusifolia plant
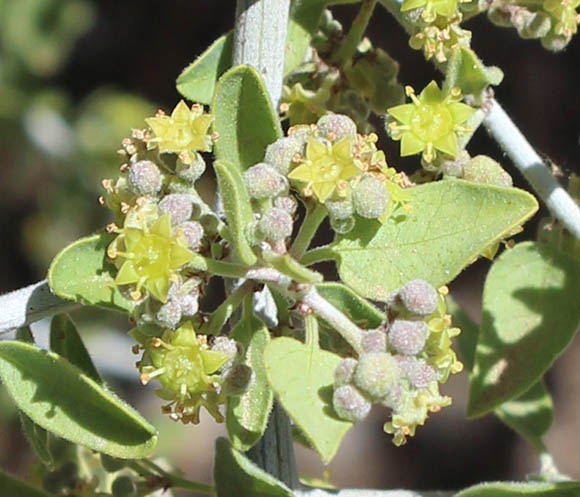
(287, 349)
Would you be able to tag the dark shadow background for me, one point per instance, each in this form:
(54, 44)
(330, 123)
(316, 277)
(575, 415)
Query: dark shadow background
(140, 47)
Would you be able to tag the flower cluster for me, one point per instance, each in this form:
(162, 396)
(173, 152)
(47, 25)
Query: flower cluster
(403, 363)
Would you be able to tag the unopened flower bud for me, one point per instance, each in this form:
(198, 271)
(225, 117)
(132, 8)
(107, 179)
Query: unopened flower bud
(228, 347)
(179, 205)
(237, 379)
(350, 404)
(377, 374)
(408, 337)
(263, 181)
(342, 226)
(170, 314)
(193, 232)
(191, 172)
(416, 296)
(280, 154)
(276, 224)
(336, 126)
(374, 341)
(144, 178)
(370, 197)
(417, 371)
(339, 209)
(289, 204)
(483, 169)
(344, 372)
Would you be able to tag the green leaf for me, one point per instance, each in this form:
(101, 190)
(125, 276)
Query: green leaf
(304, 18)
(530, 314)
(451, 223)
(236, 475)
(38, 439)
(356, 308)
(247, 414)
(244, 118)
(11, 487)
(466, 71)
(237, 207)
(80, 272)
(302, 377)
(531, 413)
(60, 398)
(197, 82)
(517, 489)
(66, 342)
(24, 335)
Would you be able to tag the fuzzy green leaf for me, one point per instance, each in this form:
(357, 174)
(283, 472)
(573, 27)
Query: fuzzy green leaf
(466, 71)
(60, 398)
(356, 308)
(530, 314)
(531, 413)
(244, 118)
(236, 475)
(198, 80)
(451, 223)
(237, 207)
(38, 439)
(80, 272)
(521, 489)
(66, 342)
(302, 378)
(12, 487)
(247, 414)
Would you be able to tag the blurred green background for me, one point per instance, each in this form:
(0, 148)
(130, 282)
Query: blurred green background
(77, 75)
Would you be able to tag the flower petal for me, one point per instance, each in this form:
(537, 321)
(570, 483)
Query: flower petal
(431, 94)
(460, 112)
(162, 226)
(304, 173)
(127, 274)
(410, 144)
(447, 144)
(403, 113)
(158, 287)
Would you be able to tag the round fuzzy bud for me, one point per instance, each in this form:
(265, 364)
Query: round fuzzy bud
(263, 181)
(350, 404)
(339, 209)
(483, 169)
(336, 126)
(377, 374)
(169, 314)
(342, 226)
(280, 154)
(408, 337)
(189, 303)
(417, 371)
(144, 178)
(193, 232)
(276, 224)
(374, 341)
(454, 167)
(418, 297)
(228, 347)
(123, 486)
(179, 205)
(191, 172)
(112, 464)
(370, 197)
(237, 379)
(344, 372)
(289, 204)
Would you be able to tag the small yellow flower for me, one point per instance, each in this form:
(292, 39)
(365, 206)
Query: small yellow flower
(431, 122)
(153, 257)
(327, 167)
(184, 132)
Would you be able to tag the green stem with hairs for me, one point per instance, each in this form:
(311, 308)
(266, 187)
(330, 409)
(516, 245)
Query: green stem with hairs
(310, 225)
(318, 254)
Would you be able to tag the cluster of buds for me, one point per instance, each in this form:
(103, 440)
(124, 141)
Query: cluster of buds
(403, 363)
(332, 164)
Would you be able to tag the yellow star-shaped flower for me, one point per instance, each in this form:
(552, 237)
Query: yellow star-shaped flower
(184, 132)
(326, 167)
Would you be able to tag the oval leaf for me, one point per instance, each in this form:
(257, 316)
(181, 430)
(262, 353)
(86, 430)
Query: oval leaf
(247, 414)
(38, 439)
(244, 118)
(15, 488)
(198, 80)
(60, 398)
(237, 207)
(66, 342)
(302, 377)
(80, 272)
(517, 489)
(530, 314)
(451, 223)
(235, 475)
(356, 308)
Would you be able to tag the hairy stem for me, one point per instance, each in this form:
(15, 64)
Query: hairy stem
(357, 30)
(317, 254)
(310, 225)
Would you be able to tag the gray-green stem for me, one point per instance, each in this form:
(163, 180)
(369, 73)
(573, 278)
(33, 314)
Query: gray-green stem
(308, 229)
